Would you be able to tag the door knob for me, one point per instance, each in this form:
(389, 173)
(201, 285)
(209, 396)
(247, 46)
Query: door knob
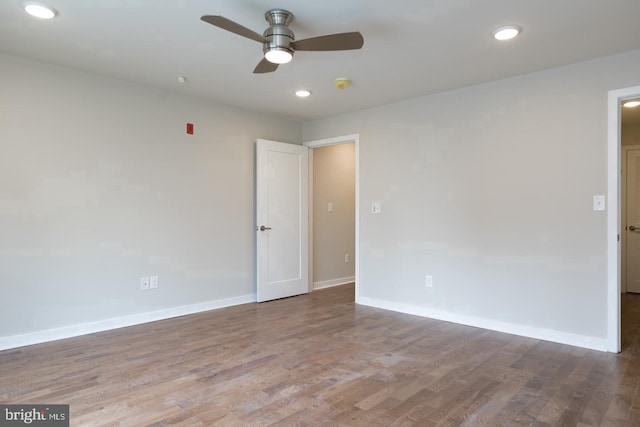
(262, 228)
(633, 228)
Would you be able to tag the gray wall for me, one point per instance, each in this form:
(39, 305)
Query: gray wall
(489, 190)
(100, 185)
(334, 181)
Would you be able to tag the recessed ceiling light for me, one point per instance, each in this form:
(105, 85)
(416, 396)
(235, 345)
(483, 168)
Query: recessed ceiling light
(505, 33)
(303, 93)
(631, 104)
(39, 10)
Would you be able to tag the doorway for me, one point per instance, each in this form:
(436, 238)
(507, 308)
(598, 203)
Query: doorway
(630, 212)
(341, 259)
(614, 217)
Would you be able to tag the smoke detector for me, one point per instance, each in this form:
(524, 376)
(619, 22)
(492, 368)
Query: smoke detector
(342, 82)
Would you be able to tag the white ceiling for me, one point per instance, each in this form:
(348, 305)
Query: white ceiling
(412, 47)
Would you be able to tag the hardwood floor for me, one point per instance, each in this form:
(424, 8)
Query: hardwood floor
(319, 359)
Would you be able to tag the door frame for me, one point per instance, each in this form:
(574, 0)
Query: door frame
(614, 175)
(355, 138)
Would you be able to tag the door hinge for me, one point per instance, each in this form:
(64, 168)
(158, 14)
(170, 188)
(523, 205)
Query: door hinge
(618, 237)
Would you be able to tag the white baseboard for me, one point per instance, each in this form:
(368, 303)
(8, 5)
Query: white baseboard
(334, 282)
(584, 341)
(118, 322)
(38, 337)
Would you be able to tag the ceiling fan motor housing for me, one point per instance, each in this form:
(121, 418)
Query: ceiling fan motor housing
(278, 41)
(278, 34)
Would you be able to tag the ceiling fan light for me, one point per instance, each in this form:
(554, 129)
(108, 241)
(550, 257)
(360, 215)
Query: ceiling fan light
(631, 104)
(505, 33)
(278, 56)
(39, 10)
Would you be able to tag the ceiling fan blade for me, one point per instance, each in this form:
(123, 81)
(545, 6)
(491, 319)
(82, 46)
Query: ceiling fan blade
(342, 41)
(229, 25)
(265, 66)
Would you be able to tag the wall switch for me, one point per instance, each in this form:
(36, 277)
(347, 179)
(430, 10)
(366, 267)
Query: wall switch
(428, 282)
(375, 208)
(346, 258)
(598, 203)
(153, 282)
(330, 207)
(144, 283)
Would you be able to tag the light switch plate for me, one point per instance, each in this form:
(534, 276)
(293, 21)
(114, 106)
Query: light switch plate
(375, 208)
(153, 282)
(598, 203)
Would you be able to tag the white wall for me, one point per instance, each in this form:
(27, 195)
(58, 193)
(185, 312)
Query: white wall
(489, 189)
(334, 232)
(100, 185)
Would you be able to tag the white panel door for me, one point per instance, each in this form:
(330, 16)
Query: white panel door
(282, 204)
(633, 221)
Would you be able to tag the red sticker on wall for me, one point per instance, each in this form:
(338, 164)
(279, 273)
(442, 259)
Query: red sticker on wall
(190, 128)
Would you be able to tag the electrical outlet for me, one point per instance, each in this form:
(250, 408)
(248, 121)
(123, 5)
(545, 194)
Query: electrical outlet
(144, 283)
(346, 258)
(428, 281)
(153, 282)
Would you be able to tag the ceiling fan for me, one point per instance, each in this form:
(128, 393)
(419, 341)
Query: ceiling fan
(278, 41)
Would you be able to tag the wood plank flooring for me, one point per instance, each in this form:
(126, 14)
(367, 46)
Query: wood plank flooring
(320, 360)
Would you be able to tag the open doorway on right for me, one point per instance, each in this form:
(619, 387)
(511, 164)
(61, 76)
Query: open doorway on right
(334, 215)
(630, 233)
(630, 195)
